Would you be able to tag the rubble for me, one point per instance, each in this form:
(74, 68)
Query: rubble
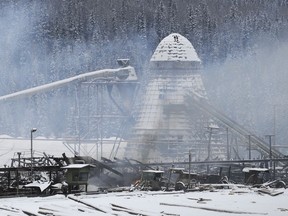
(69, 175)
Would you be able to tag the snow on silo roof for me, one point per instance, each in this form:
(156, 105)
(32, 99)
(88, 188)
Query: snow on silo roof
(175, 47)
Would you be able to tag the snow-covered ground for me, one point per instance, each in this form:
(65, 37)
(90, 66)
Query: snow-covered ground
(236, 201)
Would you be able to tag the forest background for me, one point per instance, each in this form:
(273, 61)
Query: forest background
(242, 45)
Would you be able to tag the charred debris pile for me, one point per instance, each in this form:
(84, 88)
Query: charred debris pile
(50, 175)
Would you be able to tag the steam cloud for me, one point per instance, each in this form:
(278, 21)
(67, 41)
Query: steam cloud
(252, 89)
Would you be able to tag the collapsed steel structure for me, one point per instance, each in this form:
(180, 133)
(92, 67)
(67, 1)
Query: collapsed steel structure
(119, 174)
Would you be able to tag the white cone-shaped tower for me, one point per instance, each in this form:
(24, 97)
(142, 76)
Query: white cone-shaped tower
(163, 131)
(175, 48)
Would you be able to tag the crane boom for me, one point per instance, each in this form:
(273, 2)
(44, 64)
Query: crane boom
(119, 74)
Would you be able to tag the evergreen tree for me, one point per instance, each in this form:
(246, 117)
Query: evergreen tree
(172, 16)
(160, 21)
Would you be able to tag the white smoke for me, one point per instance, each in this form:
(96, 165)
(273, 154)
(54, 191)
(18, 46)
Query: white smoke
(252, 89)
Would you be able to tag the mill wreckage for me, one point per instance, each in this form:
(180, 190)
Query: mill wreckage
(176, 139)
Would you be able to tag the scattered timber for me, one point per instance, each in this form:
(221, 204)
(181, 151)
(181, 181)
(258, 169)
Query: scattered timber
(270, 192)
(7, 209)
(87, 204)
(214, 209)
(30, 213)
(130, 211)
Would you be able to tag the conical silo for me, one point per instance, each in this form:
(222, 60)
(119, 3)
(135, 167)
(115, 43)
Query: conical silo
(163, 130)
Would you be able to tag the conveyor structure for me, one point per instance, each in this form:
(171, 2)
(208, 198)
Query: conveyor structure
(202, 104)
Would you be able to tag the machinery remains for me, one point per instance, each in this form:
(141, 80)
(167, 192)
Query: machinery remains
(84, 174)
